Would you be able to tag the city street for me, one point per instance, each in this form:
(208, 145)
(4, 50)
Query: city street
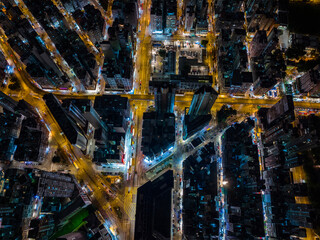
(137, 169)
(58, 59)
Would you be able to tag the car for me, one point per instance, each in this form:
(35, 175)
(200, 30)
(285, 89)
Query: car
(76, 165)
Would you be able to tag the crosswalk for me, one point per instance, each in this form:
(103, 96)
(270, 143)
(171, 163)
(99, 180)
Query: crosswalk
(129, 203)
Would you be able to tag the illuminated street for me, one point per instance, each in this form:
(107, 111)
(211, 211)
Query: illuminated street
(50, 46)
(117, 205)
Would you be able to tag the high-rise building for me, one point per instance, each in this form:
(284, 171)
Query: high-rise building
(23, 136)
(55, 185)
(163, 16)
(164, 98)
(110, 138)
(158, 128)
(189, 18)
(42, 228)
(199, 114)
(258, 43)
(158, 133)
(154, 205)
(284, 109)
(171, 17)
(241, 171)
(309, 83)
(171, 63)
(69, 128)
(156, 21)
(289, 149)
(84, 109)
(202, 101)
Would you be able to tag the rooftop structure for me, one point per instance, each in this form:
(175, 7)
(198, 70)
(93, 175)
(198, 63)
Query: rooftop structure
(153, 214)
